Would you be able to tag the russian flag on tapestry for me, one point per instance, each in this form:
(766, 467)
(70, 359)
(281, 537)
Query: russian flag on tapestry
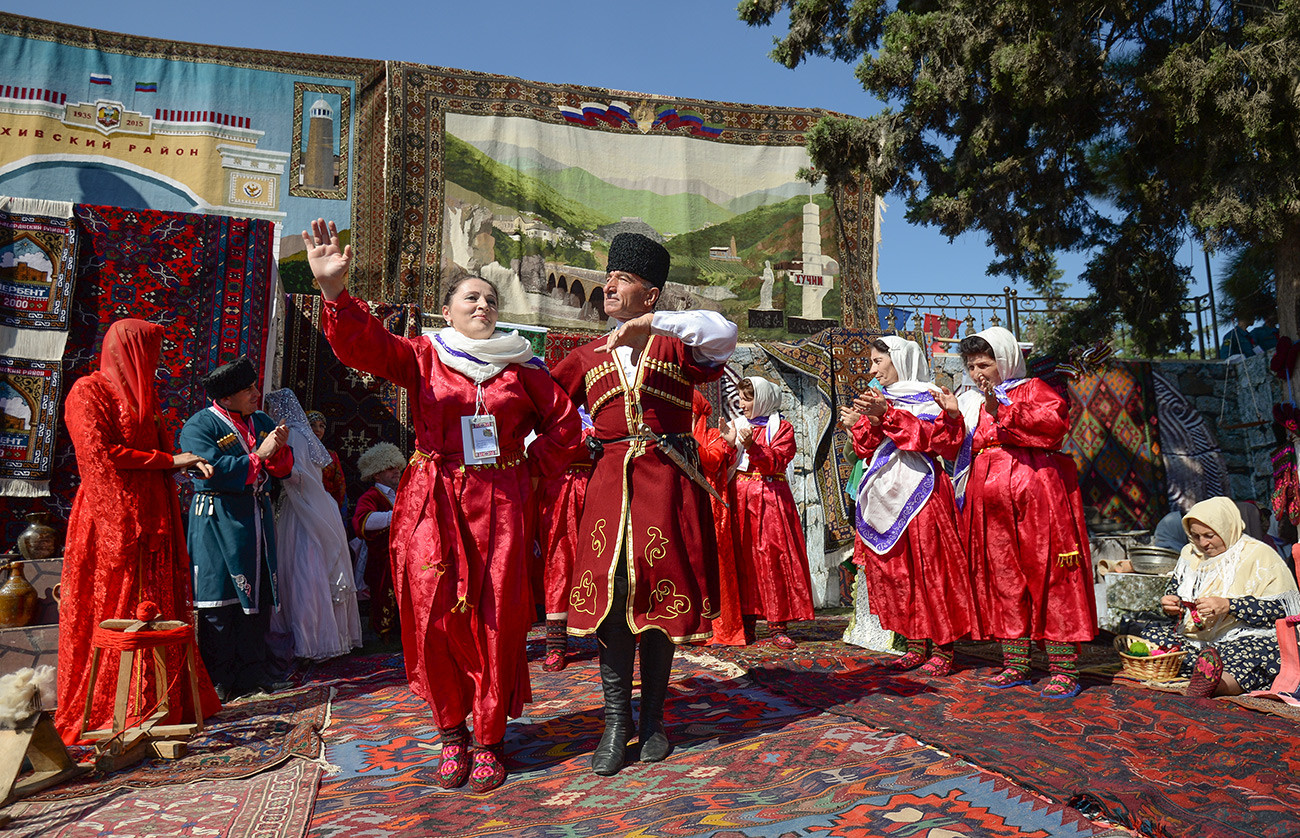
(146, 87)
(100, 78)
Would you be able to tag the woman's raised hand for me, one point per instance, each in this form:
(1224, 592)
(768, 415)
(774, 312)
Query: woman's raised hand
(329, 262)
(946, 400)
(870, 403)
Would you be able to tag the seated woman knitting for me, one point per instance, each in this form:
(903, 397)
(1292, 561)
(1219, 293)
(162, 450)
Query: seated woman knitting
(1225, 594)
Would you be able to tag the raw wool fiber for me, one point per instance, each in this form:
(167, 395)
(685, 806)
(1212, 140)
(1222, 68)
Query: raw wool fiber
(1115, 441)
(427, 106)
(360, 409)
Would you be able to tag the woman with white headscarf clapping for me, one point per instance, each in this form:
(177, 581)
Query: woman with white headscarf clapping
(771, 557)
(918, 576)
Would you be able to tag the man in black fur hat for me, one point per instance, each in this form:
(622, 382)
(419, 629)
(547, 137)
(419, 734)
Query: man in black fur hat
(647, 560)
(232, 531)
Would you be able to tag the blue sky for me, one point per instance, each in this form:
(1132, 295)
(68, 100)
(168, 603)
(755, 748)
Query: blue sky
(684, 48)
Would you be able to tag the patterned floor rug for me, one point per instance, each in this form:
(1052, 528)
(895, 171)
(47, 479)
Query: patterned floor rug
(1161, 763)
(247, 738)
(747, 762)
(273, 804)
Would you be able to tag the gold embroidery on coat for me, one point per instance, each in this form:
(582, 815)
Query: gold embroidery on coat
(598, 538)
(657, 547)
(583, 596)
(673, 604)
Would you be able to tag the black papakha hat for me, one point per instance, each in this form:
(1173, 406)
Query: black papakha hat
(229, 379)
(640, 255)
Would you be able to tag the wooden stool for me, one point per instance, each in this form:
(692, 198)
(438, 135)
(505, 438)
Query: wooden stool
(147, 738)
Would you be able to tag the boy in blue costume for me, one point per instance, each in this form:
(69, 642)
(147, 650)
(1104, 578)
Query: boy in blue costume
(231, 528)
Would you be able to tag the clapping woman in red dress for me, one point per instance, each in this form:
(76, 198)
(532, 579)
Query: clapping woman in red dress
(908, 543)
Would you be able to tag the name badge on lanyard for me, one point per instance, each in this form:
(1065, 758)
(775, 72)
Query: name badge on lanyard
(478, 434)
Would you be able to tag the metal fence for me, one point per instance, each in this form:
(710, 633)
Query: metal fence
(950, 317)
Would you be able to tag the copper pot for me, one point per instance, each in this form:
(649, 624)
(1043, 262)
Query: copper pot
(18, 599)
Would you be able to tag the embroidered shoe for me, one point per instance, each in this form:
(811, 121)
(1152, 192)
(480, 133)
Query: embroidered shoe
(555, 661)
(1061, 686)
(453, 770)
(909, 661)
(488, 772)
(1007, 678)
(937, 666)
(784, 641)
(1207, 672)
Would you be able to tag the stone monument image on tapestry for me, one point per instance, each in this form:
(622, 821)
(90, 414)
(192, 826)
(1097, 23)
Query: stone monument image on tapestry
(533, 206)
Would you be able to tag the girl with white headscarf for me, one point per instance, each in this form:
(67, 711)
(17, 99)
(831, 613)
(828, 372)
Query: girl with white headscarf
(771, 557)
(918, 576)
(1225, 596)
(1023, 515)
(317, 593)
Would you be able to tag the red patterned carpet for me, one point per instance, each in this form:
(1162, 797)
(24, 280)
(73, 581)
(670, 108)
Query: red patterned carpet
(747, 762)
(1157, 762)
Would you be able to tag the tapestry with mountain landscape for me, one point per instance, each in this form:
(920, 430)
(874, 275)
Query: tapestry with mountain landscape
(526, 184)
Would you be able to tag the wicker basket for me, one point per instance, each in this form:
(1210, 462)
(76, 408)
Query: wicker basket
(1147, 668)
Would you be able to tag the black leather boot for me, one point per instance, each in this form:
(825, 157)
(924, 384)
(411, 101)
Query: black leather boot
(656, 668)
(617, 652)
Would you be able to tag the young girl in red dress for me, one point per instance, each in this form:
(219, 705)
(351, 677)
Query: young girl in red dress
(771, 557)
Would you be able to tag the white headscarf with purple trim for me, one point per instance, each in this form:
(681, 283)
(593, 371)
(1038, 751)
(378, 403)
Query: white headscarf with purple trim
(767, 402)
(480, 360)
(1011, 366)
(896, 483)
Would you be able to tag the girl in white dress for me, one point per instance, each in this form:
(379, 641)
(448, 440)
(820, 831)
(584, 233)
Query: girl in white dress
(317, 594)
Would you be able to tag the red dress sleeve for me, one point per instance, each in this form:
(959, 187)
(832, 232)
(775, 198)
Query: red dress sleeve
(558, 430)
(773, 457)
(361, 342)
(925, 436)
(1036, 418)
(867, 437)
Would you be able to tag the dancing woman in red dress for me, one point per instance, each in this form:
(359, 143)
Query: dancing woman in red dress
(460, 539)
(125, 543)
(1023, 515)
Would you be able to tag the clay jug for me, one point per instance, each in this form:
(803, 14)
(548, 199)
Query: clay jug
(18, 599)
(38, 541)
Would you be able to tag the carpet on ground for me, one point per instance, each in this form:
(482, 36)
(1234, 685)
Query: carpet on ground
(746, 762)
(360, 409)
(275, 803)
(246, 738)
(1159, 762)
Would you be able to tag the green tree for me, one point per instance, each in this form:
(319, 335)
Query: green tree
(1105, 126)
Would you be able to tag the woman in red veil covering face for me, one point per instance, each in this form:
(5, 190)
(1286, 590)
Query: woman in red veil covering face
(125, 544)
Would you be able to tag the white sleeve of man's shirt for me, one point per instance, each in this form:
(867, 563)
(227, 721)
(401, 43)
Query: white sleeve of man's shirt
(711, 337)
